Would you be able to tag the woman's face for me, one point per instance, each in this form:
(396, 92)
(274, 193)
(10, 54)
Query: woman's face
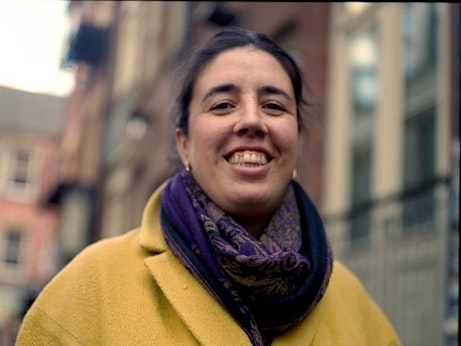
(243, 134)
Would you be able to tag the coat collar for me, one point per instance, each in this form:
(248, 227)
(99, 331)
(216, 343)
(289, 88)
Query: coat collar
(206, 318)
(151, 236)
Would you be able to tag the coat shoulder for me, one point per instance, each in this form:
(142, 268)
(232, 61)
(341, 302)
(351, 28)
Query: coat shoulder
(352, 311)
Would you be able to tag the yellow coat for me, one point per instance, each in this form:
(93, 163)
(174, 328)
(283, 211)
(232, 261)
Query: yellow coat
(131, 290)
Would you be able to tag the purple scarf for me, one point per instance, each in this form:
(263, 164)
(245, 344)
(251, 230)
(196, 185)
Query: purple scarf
(269, 284)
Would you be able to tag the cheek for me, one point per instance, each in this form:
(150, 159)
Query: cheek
(206, 137)
(287, 138)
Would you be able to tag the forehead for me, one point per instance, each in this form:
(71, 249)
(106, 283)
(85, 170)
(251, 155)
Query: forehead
(244, 63)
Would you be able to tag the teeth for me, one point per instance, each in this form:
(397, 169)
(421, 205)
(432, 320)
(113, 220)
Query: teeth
(248, 159)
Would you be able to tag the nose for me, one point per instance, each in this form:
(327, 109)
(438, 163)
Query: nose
(250, 122)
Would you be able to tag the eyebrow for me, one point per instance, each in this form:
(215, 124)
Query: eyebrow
(267, 89)
(220, 89)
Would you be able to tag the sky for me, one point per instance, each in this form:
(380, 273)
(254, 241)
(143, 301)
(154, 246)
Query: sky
(33, 35)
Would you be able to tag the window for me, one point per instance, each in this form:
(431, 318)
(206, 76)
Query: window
(420, 61)
(363, 67)
(363, 72)
(11, 244)
(361, 181)
(420, 47)
(420, 148)
(16, 172)
(20, 162)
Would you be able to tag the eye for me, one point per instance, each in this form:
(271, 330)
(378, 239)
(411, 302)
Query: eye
(274, 107)
(222, 107)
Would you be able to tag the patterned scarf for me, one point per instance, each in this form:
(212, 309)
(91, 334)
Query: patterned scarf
(268, 284)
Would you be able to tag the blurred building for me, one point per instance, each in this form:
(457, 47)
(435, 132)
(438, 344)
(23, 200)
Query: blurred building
(78, 187)
(392, 160)
(378, 158)
(29, 128)
(116, 143)
(137, 145)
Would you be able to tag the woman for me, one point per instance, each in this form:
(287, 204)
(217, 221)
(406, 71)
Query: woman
(230, 251)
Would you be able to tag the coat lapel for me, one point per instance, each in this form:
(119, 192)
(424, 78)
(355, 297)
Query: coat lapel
(208, 321)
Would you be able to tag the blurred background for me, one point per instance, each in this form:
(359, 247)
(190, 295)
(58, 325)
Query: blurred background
(86, 90)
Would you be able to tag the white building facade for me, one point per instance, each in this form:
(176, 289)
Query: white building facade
(390, 160)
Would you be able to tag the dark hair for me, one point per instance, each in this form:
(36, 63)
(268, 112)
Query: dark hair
(220, 42)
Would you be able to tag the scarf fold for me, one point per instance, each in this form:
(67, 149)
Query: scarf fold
(268, 284)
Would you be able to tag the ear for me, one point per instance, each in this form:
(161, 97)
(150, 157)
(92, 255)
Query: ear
(181, 146)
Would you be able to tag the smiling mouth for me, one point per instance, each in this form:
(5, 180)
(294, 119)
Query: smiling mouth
(248, 159)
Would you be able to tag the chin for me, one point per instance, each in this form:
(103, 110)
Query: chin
(250, 202)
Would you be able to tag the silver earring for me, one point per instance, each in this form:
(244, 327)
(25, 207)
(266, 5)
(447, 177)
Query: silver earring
(187, 167)
(295, 173)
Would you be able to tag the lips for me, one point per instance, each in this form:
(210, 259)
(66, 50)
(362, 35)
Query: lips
(249, 158)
